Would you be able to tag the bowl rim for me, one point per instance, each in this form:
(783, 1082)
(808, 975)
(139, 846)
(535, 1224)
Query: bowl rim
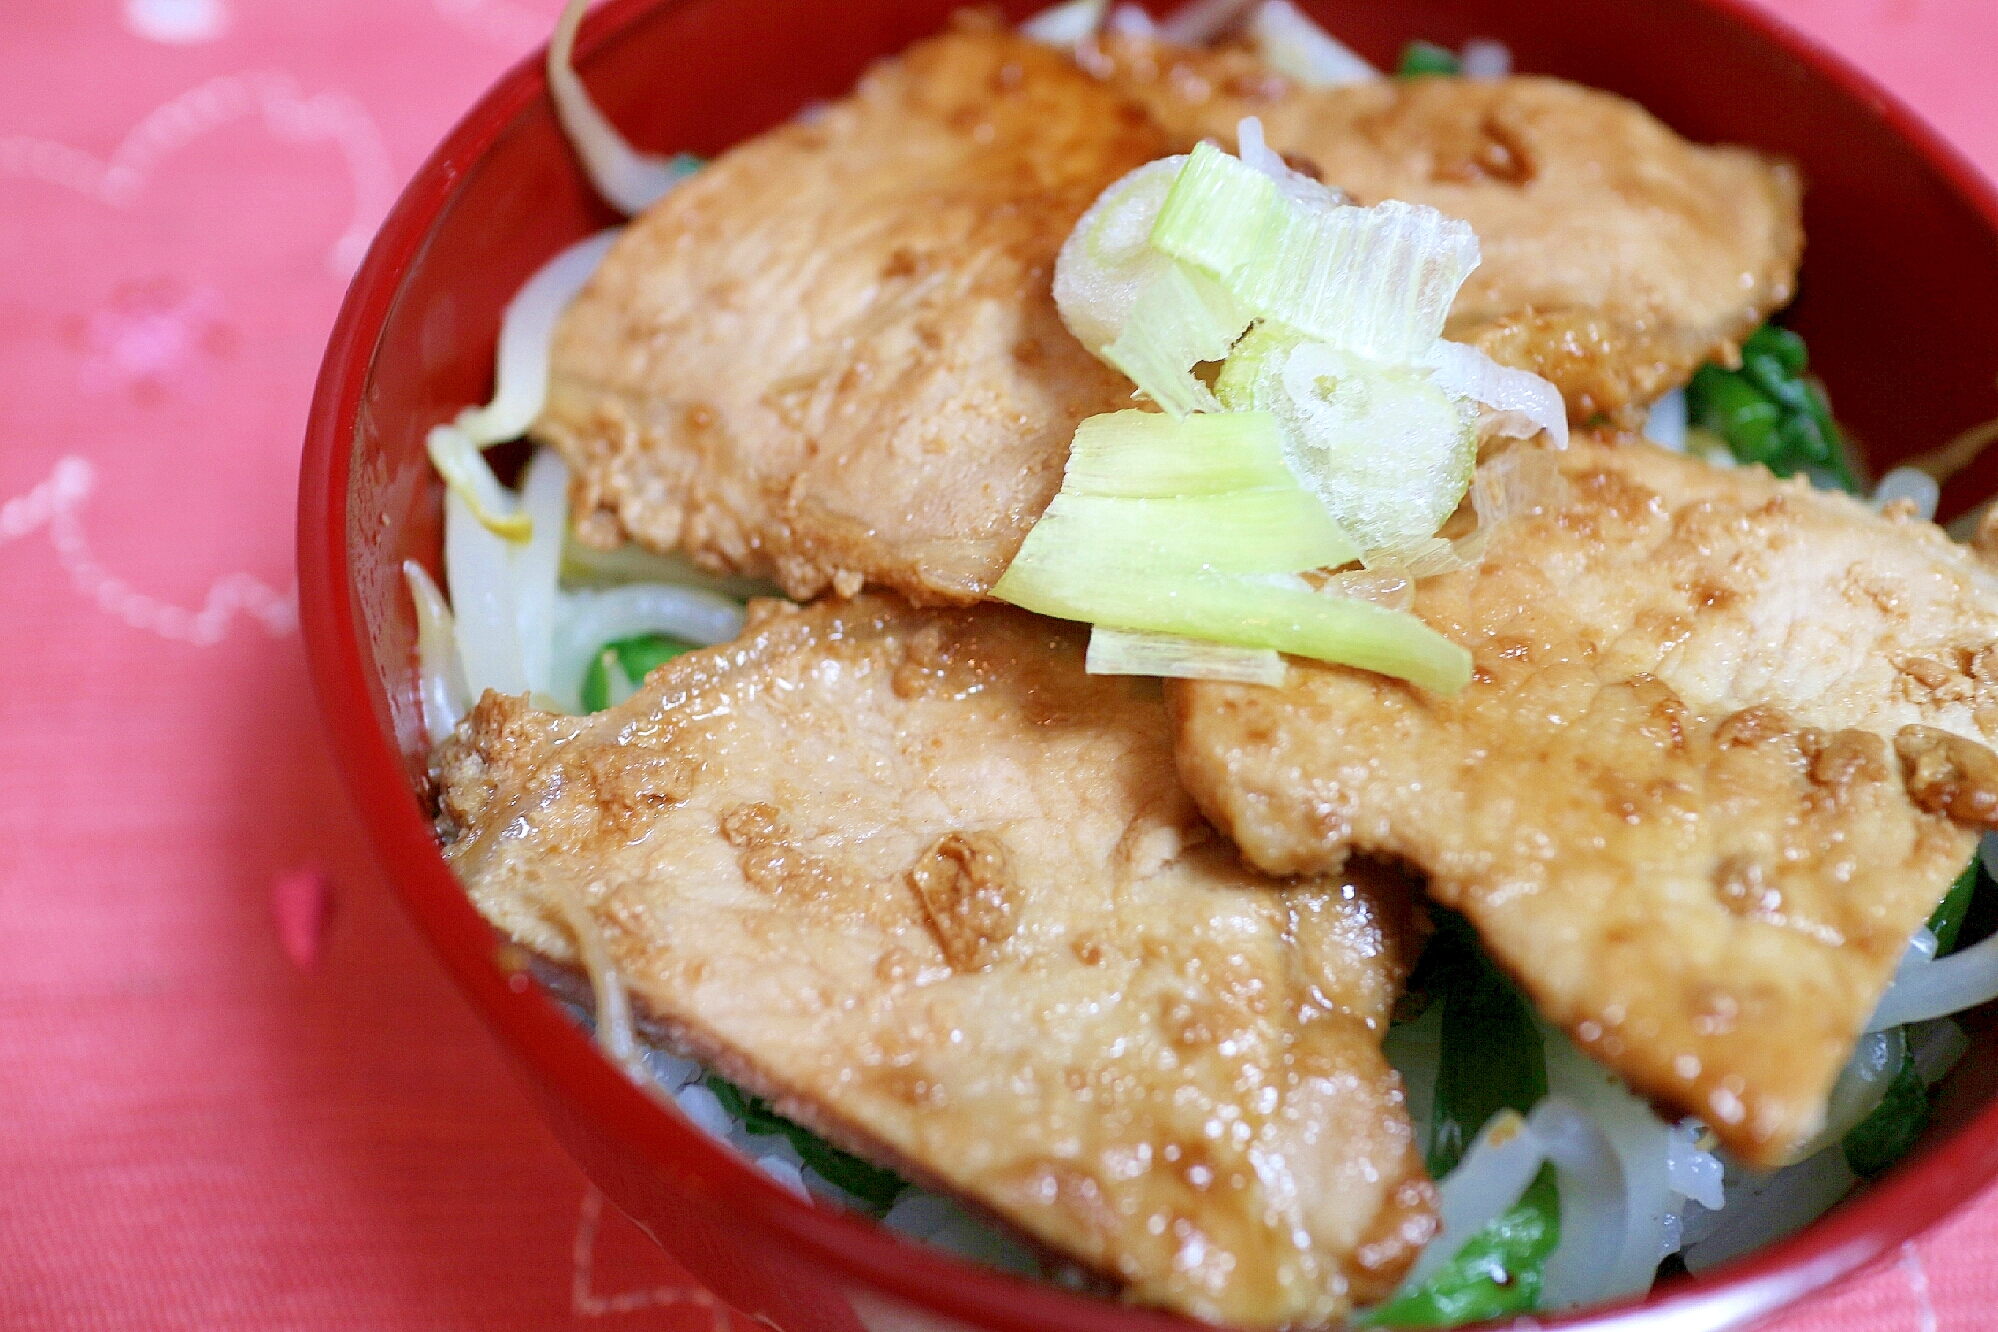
(537, 1034)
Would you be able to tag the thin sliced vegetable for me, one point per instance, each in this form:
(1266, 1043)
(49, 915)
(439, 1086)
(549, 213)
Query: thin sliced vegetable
(1286, 615)
(1498, 1271)
(1388, 453)
(1181, 319)
(1936, 989)
(1293, 45)
(458, 460)
(873, 1186)
(1130, 652)
(630, 181)
(520, 378)
(1199, 21)
(440, 678)
(1149, 455)
(1378, 281)
(617, 671)
(1947, 922)
(478, 570)
(588, 619)
(1493, 1059)
(537, 563)
(1524, 404)
(1267, 531)
(1885, 1136)
(1107, 262)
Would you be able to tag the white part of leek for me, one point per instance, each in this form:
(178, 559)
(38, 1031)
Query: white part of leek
(1526, 403)
(1387, 585)
(1378, 281)
(1065, 24)
(1908, 483)
(1665, 423)
(1293, 45)
(478, 569)
(1134, 652)
(544, 497)
(1181, 318)
(464, 469)
(1129, 20)
(1936, 989)
(586, 620)
(520, 380)
(1502, 1161)
(630, 181)
(1107, 262)
(1296, 186)
(1200, 21)
(440, 679)
(1484, 58)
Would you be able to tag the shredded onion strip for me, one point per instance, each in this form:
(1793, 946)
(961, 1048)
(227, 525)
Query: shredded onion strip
(1131, 652)
(520, 380)
(1065, 24)
(630, 181)
(440, 678)
(1294, 46)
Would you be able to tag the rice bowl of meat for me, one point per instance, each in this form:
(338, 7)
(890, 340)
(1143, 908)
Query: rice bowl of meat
(408, 356)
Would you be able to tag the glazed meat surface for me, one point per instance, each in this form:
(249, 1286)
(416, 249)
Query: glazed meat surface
(1617, 256)
(936, 892)
(833, 354)
(1723, 751)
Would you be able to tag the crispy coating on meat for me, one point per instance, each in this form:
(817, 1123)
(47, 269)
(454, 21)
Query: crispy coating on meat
(938, 893)
(1617, 256)
(1726, 744)
(833, 355)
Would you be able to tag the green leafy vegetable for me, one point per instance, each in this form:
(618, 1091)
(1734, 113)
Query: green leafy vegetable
(635, 656)
(1427, 58)
(875, 1187)
(1493, 1059)
(1947, 922)
(1497, 1272)
(1884, 1137)
(1768, 412)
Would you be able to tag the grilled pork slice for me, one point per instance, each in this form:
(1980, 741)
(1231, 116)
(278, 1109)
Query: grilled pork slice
(1617, 256)
(1723, 751)
(833, 355)
(937, 893)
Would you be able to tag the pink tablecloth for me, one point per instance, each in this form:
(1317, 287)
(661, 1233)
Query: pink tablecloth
(234, 1092)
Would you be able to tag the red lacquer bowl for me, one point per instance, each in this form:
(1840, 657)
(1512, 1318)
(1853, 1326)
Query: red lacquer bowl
(1900, 304)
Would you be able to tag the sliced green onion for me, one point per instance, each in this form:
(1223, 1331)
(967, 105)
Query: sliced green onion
(1286, 615)
(1107, 262)
(1182, 318)
(458, 460)
(1268, 531)
(1149, 455)
(1769, 413)
(1129, 652)
(1377, 280)
(1426, 58)
(1388, 453)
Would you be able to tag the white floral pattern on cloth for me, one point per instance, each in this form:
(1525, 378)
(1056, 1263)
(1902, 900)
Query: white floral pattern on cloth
(507, 24)
(287, 114)
(177, 22)
(56, 504)
(584, 1300)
